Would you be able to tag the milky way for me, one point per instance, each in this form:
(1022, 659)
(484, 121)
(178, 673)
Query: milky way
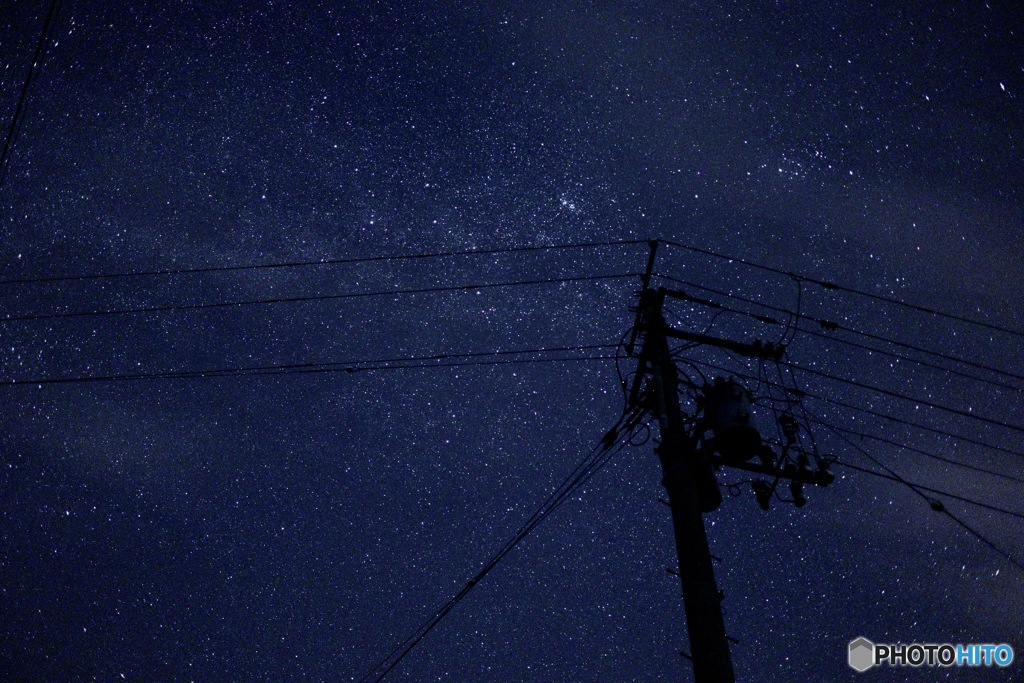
(299, 526)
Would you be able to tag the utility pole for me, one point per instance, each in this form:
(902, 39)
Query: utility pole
(681, 467)
(689, 458)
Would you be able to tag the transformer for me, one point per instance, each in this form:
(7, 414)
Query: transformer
(727, 414)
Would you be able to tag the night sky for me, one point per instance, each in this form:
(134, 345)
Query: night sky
(299, 526)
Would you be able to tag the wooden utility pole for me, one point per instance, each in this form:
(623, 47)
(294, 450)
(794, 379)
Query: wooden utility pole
(689, 458)
(682, 466)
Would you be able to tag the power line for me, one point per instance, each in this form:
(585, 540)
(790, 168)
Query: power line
(19, 110)
(349, 366)
(904, 397)
(868, 411)
(974, 532)
(833, 286)
(924, 363)
(172, 308)
(321, 262)
(807, 417)
(840, 340)
(831, 325)
(913, 449)
(910, 423)
(610, 444)
(947, 494)
(941, 508)
(454, 364)
(595, 460)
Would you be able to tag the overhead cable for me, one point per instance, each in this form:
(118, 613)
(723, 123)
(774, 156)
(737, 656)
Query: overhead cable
(173, 308)
(317, 262)
(905, 397)
(850, 290)
(866, 411)
(348, 366)
(914, 449)
(831, 325)
(922, 487)
(614, 441)
(941, 508)
(19, 110)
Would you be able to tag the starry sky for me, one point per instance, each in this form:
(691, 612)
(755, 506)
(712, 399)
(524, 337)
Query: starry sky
(300, 526)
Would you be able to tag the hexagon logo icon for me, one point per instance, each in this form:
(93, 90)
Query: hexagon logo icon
(862, 654)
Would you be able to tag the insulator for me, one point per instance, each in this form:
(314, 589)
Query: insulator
(763, 492)
(824, 476)
(797, 489)
(790, 428)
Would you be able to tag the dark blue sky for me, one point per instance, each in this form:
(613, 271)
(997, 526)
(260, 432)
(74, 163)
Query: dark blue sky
(298, 527)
